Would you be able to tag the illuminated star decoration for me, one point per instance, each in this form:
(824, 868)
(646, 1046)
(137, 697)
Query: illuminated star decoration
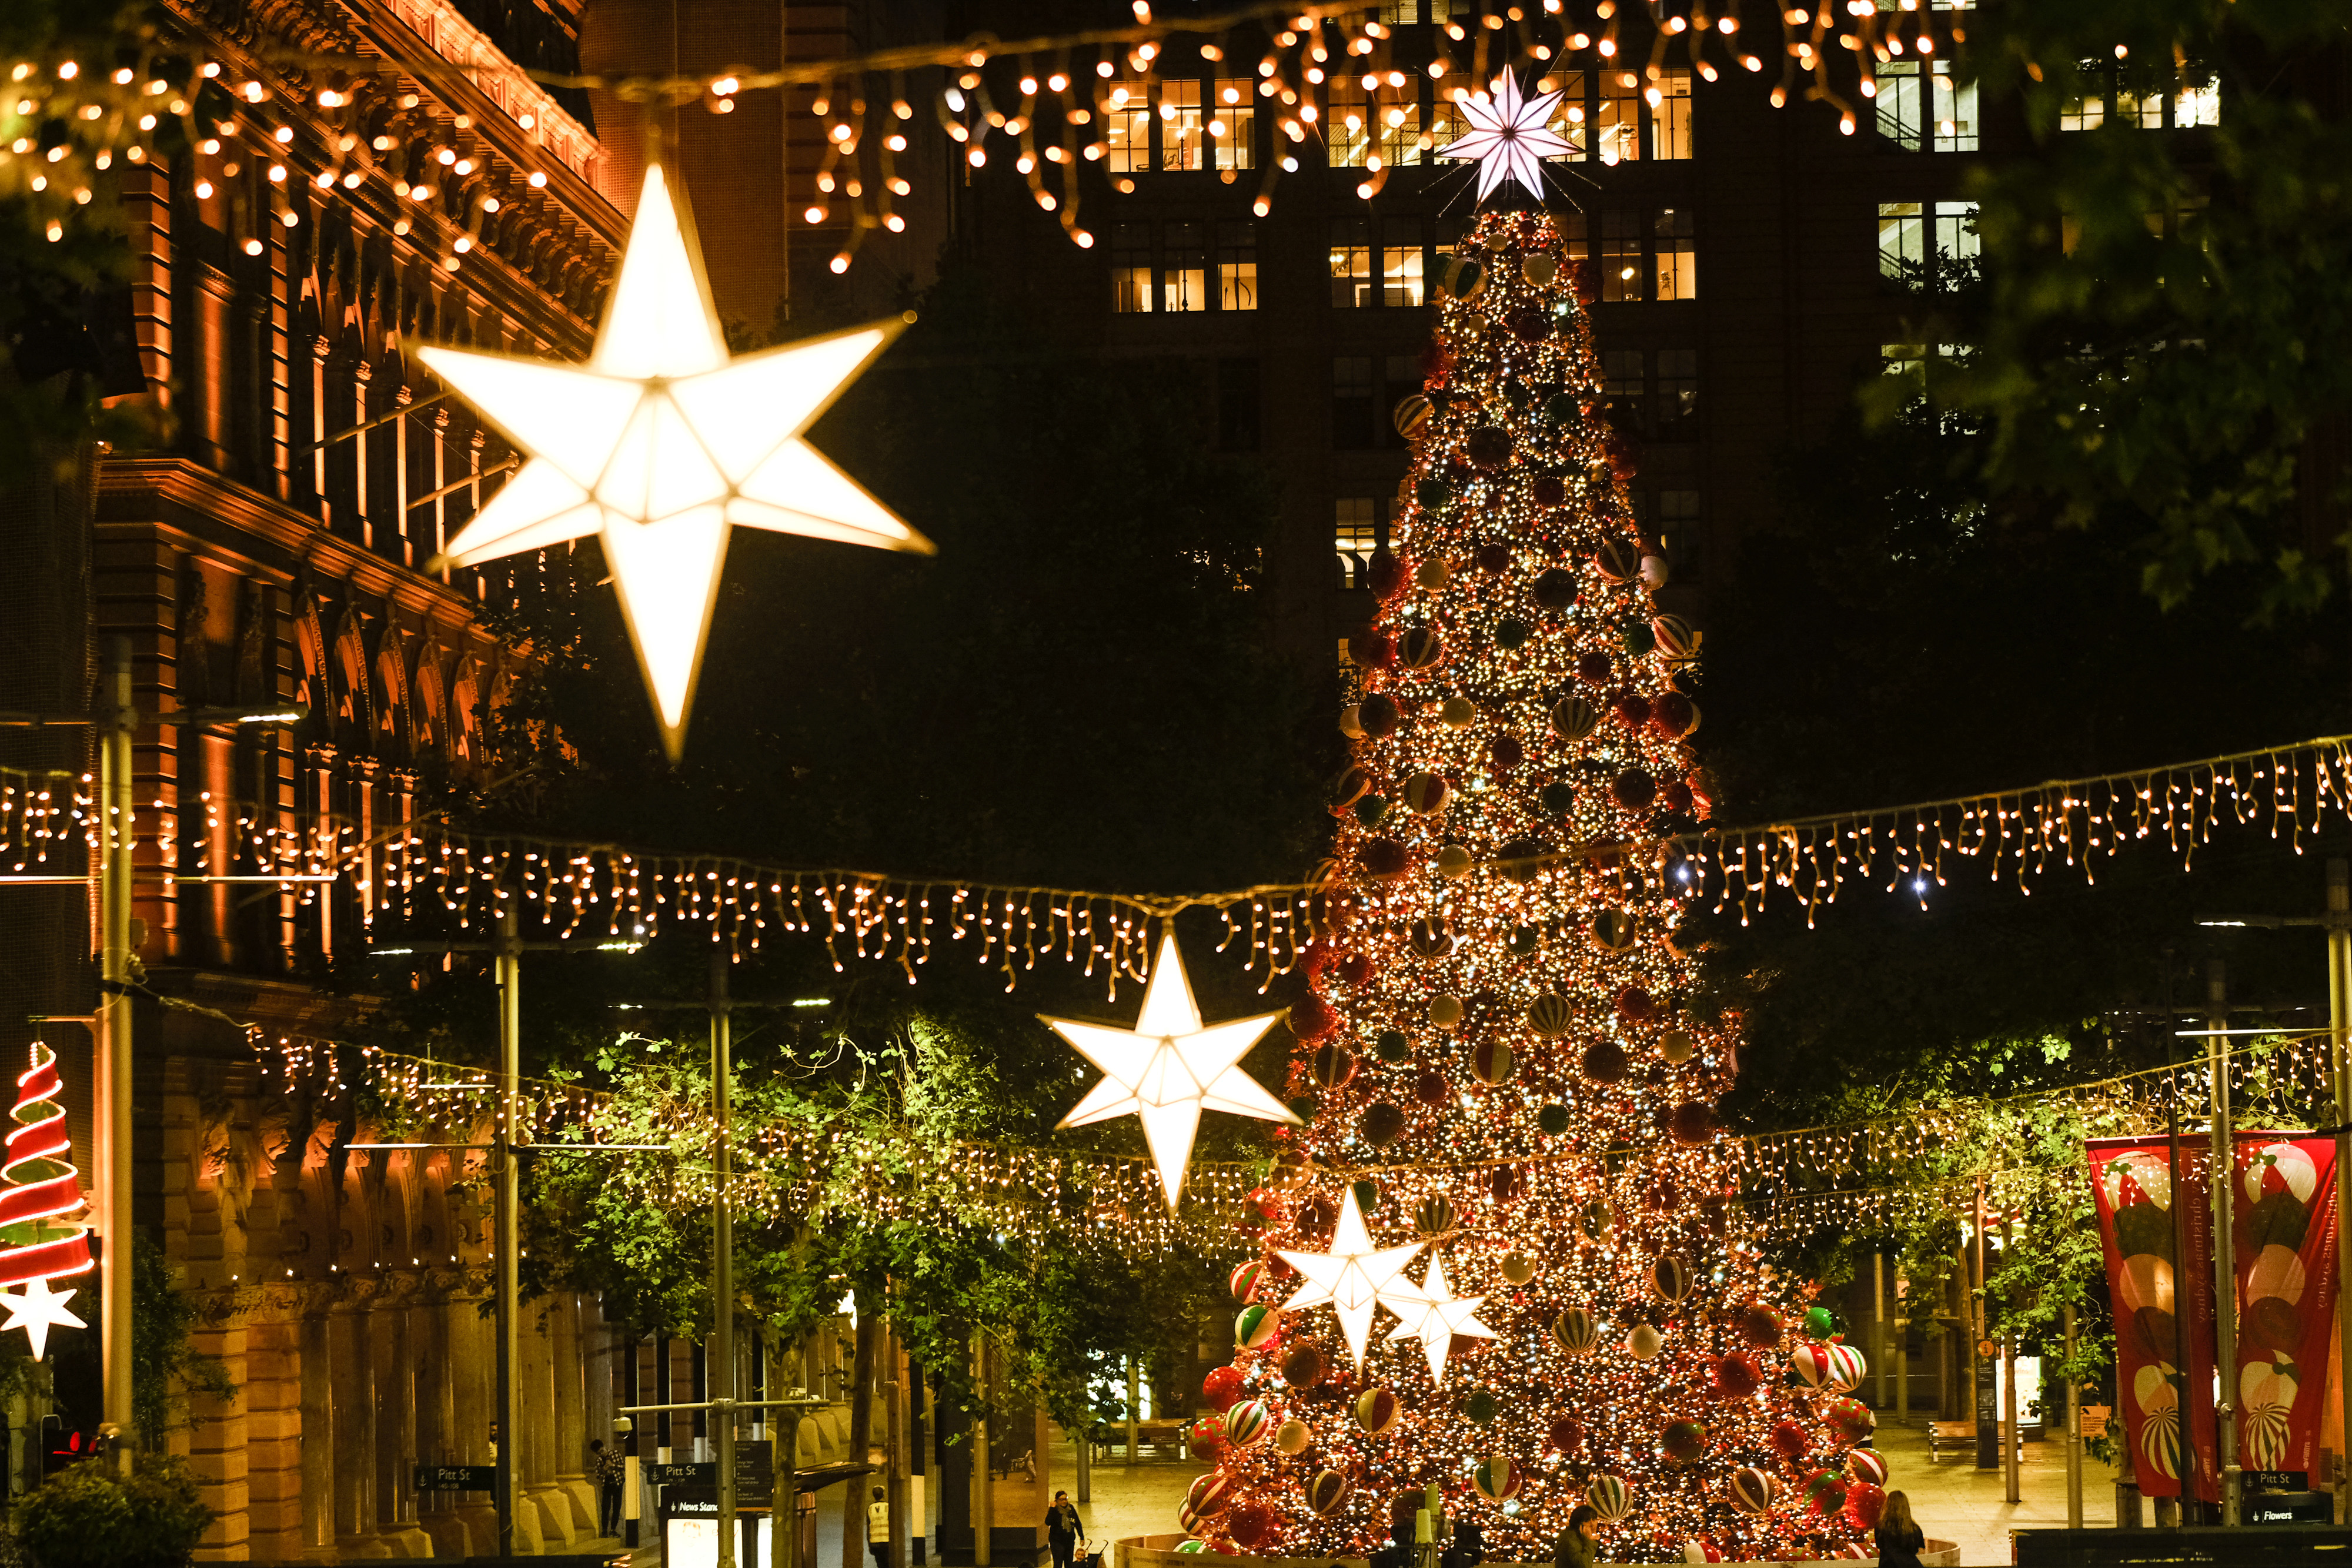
(1168, 1069)
(1353, 1276)
(660, 443)
(37, 1311)
(1508, 137)
(1432, 1315)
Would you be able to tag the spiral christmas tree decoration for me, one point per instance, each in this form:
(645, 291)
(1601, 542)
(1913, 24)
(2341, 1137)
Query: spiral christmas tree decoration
(40, 1193)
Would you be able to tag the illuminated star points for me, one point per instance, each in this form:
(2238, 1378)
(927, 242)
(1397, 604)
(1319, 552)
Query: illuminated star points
(1432, 1315)
(1168, 1069)
(37, 1311)
(1354, 1276)
(660, 443)
(1508, 137)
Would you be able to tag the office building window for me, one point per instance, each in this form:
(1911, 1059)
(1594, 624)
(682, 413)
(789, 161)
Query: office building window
(1351, 404)
(1669, 98)
(1574, 228)
(1185, 269)
(1351, 263)
(1679, 534)
(2199, 103)
(1676, 411)
(1130, 267)
(1400, 377)
(1184, 131)
(1233, 123)
(1915, 237)
(1922, 107)
(1677, 254)
(1237, 405)
(1400, 12)
(1569, 120)
(1446, 126)
(1396, 133)
(2143, 109)
(1617, 120)
(2085, 113)
(1621, 255)
(1400, 262)
(1621, 389)
(1348, 125)
(1237, 265)
(1127, 128)
(1355, 535)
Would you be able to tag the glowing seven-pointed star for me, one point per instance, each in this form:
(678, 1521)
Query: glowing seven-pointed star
(1507, 136)
(1352, 1276)
(1169, 1068)
(1432, 1315)
(36, 1310)
(660, 443)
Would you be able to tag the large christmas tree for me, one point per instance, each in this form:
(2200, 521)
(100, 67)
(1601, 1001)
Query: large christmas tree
(1511, 1099)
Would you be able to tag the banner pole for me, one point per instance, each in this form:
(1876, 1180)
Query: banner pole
(2225, 1245)
(2339, 1033)
(2181, 1298)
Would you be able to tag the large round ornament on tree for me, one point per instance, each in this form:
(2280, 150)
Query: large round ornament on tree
(1496, 1479)
(1482, 1407)
(1575, 1331)
(1761, 1327)
(1864, 1504)
(1645, 1342)
(1819, 1322)
(1550, 1017)
(1566, 1434)
(1382, 1125)
(1251, 1524)
(1735, 1377)
(1849, 1420)
(1846, 1368)
(1377, 1410)
(1826, 1489)
(1292, 1437)
(1670, 1278)
(1244, 1280)
(1752, 1490)
(1519, 1268)
(1247, 1423)
(1220, 1388)
(1866, 1465)
(1789, 1441)
(1608, 1496)
(1255, 1328)
(1683, 1441)
(1327, 1492)
(1304, 1367)
(1210, 1495)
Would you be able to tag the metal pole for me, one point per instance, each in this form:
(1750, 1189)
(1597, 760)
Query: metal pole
(983, 1469)
(510, 1204)
(2074, 1426)
(2225, 1247)
(2339, 1037)
(119, 841)
(1879, 1321)
(722, 1393)
(2012, 1440)
(2188, 1394)
(1134, 1392)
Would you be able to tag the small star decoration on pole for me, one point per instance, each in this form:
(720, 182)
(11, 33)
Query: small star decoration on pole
(660, 444)
(1433, 1314)
(1170, 1068)
(1508, 137)
(1354, 1277)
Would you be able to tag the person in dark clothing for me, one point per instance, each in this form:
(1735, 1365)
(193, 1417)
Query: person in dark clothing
(611, 1468)
(1899, 1537)
(1579, 1545)
(1062, 1529)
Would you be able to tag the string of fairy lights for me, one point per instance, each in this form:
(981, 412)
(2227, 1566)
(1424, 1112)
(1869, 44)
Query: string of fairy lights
(358, 119)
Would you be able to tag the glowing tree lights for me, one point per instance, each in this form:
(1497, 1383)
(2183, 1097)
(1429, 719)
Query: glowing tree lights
(40, 1239)
(1503, 1068)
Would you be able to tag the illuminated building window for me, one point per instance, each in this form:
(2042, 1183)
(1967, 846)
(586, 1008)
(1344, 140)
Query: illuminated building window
(1622, 374)
(1925, 110)
(1355, 535)
(1679, 534)
(1351, 263)
(1677, 254)
(1351, 404)
(1617, 120)
(1185, 269)
(1396, 131)
(2198, 103)
(1621, 255)
(1670, 116)
(1918, 239)
(1348, 125)
(2085, 113)
(1237, 265)
(1130, 267)
(1183, 131)
(1401, 263)
(1676, 411)
(1233, 122)
(1400, 12)
(1127, 128)
(2143, 109)
(1571, 121)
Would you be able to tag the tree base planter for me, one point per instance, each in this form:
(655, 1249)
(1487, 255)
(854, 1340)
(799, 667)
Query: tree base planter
(1160, 1552)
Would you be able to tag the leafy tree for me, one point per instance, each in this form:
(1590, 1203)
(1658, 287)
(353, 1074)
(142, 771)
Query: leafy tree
(88, 1516)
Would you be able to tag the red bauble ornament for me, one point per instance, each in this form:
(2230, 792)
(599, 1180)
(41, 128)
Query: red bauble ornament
(1675, 797)
(1864, 1504)
(1692, 1123)
(1378, 714)
(1304, 1367)
(1355, 968)
(1594, 667)
(1312, 1018)
(1736, 1377)
(1788, 1440)
(1489, 447)
(1548, 490)
(1761, 1327)
(1674, 715)
(1384, 574)
(1635, 1005)
(1604, 1061)
(1220, 1388)
(1374, 650)
(1634, 790)
(1506, 751)
(1431, 1088)
(1493, 558)
(1382, 1125)
(1567, 1433)
(1251, 1524)
(1633, 710)
(1384, 859)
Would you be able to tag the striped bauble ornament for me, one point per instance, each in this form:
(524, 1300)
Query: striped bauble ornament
(1609, 1497)
(1575, 1331)
(1496, 1479)
(1327, 1492)
(1247, 1423)
(1752, 1490)
(1377, 1410)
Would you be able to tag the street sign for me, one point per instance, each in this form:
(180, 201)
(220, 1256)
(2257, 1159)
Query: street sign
(2278, 1480)
(754, 1470)
(456, 1478)
(2290, 1508)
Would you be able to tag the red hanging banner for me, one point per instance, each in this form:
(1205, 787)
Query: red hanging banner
(2131, 1181)
(2284, 1214)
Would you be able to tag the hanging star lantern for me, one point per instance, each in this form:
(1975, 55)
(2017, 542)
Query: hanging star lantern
(37, 1310)
(660, 444)
(1432, 1315)
(1168, 1069)
(1508, 137)
(1354, 1277)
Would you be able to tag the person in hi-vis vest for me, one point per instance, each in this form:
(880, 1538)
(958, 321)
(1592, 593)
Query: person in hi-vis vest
(877, 1529)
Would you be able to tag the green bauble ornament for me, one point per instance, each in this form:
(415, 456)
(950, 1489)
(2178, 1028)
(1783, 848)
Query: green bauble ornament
(1392, 1046)
(1560, 408)
(1553, 1119)
(1515, 394)
(1432, 492)
(1370, 810)
(1523, 940)
(1819, 1322)
(1639, 639)
(1368, 1195)
(1482, 1407)
(1512, 633)
(1557, 796)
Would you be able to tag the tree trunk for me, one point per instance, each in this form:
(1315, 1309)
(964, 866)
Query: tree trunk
(861, 1434)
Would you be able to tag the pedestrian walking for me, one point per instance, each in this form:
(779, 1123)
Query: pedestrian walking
(1899, 1537)
(611, 1468)
(1579, 1545)
(1062, 1529)
(877, 1529)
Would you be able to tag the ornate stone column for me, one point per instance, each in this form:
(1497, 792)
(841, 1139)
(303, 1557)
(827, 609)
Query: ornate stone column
(351, 1400)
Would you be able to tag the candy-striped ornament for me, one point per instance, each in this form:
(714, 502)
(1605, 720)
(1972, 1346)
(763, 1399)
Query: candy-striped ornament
(1574, 1331)
(1255, 1327)
(1247, 1423)
(1246, 1280)
(1377, 1410)
(1609, 1496)
(1327, 1492)
(1496, 1479)
(1752, 1490)
(1866, 1465)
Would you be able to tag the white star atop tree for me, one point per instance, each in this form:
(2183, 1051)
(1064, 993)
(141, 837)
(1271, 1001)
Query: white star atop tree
(1170, 1068)
(660, 444)
(1354, 1277)
(37, 1310)
(1508, 137)
(1432, 1315)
